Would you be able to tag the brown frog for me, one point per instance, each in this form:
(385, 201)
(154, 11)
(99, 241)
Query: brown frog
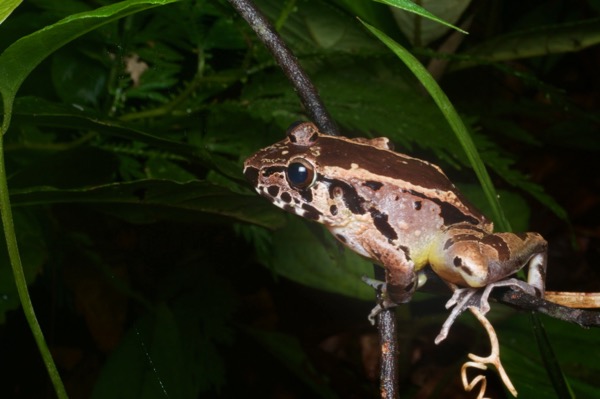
(401, 212)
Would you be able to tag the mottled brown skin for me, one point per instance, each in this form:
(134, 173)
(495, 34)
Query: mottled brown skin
(399, 211)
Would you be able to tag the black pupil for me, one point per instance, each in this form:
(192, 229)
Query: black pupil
(298, 173)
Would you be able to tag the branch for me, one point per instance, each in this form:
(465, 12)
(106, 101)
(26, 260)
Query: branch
(523, 301)
(307, 92)
(309, 97)
(388, 339)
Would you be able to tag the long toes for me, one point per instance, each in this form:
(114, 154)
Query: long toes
(375, 284)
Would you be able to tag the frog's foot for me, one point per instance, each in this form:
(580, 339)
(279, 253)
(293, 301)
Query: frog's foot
(482, 362)
(463, 298)
(384, 301)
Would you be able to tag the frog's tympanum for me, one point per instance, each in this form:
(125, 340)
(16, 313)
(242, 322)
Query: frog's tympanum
(403, 213)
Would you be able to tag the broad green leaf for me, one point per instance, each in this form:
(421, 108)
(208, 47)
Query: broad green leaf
(78, 79)
(557, 377)
(520, 356)
(148, 362)
(311, 256)
(173, 351)
(18, 60)
(414, 8)
(16, 63)
(290, 353)
(7, 7)
(515, 207)
(66, 169)
(545, 40)
(36, 111)
(148, 200)
(160, 168)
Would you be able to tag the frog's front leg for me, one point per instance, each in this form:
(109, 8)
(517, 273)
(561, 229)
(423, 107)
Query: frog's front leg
(401, 280)
(472, 258)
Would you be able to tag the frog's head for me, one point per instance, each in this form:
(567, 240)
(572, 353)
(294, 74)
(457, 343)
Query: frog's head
(288, 173)
(361, 182)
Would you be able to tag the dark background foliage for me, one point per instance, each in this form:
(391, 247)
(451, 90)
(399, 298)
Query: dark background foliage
(155, 270)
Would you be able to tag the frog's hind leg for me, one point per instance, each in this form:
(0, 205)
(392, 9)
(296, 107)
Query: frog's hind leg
(482, 262)
(477, 259)
(516, 251)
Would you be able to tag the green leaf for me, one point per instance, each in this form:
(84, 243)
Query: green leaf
(515, 207)
(290, 353)
(39, 112)
(411, 7)
(33, 110)
(66, 169)
(18, 60)
(453, 119)
(7, 7)
(524, 365)
(173, 351)
(535, 42)
(560, 384)
(326, 266)
(16, 63)
(422, 31)
(147, 363)
(78, 79)
(160, 168)
(146, 200)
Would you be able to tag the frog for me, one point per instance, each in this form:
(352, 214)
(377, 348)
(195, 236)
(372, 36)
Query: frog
(400, 212)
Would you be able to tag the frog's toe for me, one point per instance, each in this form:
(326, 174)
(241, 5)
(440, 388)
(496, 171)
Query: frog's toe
(377, 285)
(513, 283)
(384, 301)
(462, 299)
(384, 304)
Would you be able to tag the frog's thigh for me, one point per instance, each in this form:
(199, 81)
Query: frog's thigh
(526, 249)
(400, 276)
(479, 261)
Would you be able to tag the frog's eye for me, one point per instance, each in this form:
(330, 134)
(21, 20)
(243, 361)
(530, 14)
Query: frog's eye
(300, 173)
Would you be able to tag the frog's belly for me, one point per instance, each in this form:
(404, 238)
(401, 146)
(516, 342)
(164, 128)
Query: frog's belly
(410, 247)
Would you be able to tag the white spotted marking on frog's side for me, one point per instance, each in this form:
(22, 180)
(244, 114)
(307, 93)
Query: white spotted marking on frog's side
(399, 211)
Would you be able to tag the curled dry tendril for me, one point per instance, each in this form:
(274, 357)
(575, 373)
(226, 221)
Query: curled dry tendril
(482, 362)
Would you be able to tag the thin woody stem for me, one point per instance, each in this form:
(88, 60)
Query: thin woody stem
(307, 92)
(309, 97)
(388, 339)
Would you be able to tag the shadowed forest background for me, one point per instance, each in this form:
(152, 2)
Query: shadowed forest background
(157, 272)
